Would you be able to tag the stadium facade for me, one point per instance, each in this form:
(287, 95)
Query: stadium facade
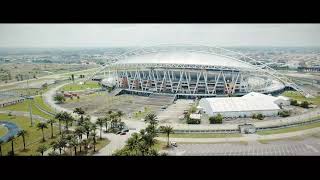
(190, 71)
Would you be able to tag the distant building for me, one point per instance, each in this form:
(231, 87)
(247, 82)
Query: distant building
(245, 106)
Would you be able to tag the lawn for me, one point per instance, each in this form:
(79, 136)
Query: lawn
(297, 96)
(24, 106)
(201, 135)
(33, 140)
(141, 114)
(39, 100)
(3, 131)
(290, 129)
(101, 143)
(77, 86)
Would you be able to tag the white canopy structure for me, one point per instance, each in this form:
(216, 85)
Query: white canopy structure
(245, 106)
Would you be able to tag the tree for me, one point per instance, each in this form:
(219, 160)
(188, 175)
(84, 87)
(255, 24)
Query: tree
(66, 117)
(59, 98)
(80, 112)
(216, 119)
(42, 148)
(293, 102)
(42, 125)
(151, 118)
(1, 142)
(11, 138)
(167, 130)
(305, 104)
(51, 122)
(100, 122)
(94, 134)
(79, 132)
(74, 143)
(72, 77)
(87, 126)
(23, 134)
(106, 119)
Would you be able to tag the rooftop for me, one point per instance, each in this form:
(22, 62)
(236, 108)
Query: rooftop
(190, 58)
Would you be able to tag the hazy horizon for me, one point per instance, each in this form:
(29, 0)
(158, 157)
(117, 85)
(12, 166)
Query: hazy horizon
(135, 35)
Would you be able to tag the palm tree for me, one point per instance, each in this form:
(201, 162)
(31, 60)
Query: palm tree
(167, 130)
(42, 148)
(100, 123)
(87, 128)
(79, 131)
(23, 134)
(11, 138)
(106, 120)
(80, 112)
(51, 122)
(152, 119)
(74, 143)
(133, 142)
(94, 134)
(42, 125)
(1, 142)
(64, 116)
(61, 144)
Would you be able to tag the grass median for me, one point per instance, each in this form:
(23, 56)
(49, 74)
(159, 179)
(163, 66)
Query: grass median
(290, 129)
(201, 135)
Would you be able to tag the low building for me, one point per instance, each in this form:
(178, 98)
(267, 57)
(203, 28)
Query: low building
(245, 106)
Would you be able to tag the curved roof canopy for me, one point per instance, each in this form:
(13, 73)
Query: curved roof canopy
(186, 58)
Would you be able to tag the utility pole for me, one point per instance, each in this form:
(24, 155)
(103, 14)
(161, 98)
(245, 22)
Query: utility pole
(29, 98)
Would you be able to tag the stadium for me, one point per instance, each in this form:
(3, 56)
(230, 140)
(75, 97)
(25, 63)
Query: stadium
(192, 71)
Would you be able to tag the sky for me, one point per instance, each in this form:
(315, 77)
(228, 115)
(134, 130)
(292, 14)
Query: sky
(117, 35)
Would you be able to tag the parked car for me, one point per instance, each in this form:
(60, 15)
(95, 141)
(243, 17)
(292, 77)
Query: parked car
(125, 130)
(174, 144)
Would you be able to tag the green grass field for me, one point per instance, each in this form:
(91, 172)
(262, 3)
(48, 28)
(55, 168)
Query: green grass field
(33, 140)
(3, 131)
(24, 106)
(291, 129)
(77, 86)
(201, 135)
(39, 100)
(295, 95)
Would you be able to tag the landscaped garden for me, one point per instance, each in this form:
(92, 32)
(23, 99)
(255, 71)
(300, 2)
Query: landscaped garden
(297, 96)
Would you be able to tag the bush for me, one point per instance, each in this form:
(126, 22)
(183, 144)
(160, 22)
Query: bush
(260, 116)
(284, 113)
(216, 119)
(293, 102)
(305, 104)
(193, 121)
(59, 98)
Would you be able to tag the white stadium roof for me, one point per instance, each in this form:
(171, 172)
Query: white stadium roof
(190, 58)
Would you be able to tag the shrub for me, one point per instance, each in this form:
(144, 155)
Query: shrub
(305, 104)
(284, 113)
(59, 98)
(260, 116)
(216, 119)
(193, 121)
(293, 102)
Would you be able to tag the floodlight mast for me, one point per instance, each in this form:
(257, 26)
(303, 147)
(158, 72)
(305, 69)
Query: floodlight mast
(29, 100)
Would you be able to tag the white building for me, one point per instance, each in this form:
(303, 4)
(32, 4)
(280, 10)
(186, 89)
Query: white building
(245, 106)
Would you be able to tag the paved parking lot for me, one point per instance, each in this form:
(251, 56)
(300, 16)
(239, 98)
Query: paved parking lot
(277, 148)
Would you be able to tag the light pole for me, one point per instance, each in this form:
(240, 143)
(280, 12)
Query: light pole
(29, 98)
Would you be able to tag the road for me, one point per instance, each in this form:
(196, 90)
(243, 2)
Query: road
(307, 147)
